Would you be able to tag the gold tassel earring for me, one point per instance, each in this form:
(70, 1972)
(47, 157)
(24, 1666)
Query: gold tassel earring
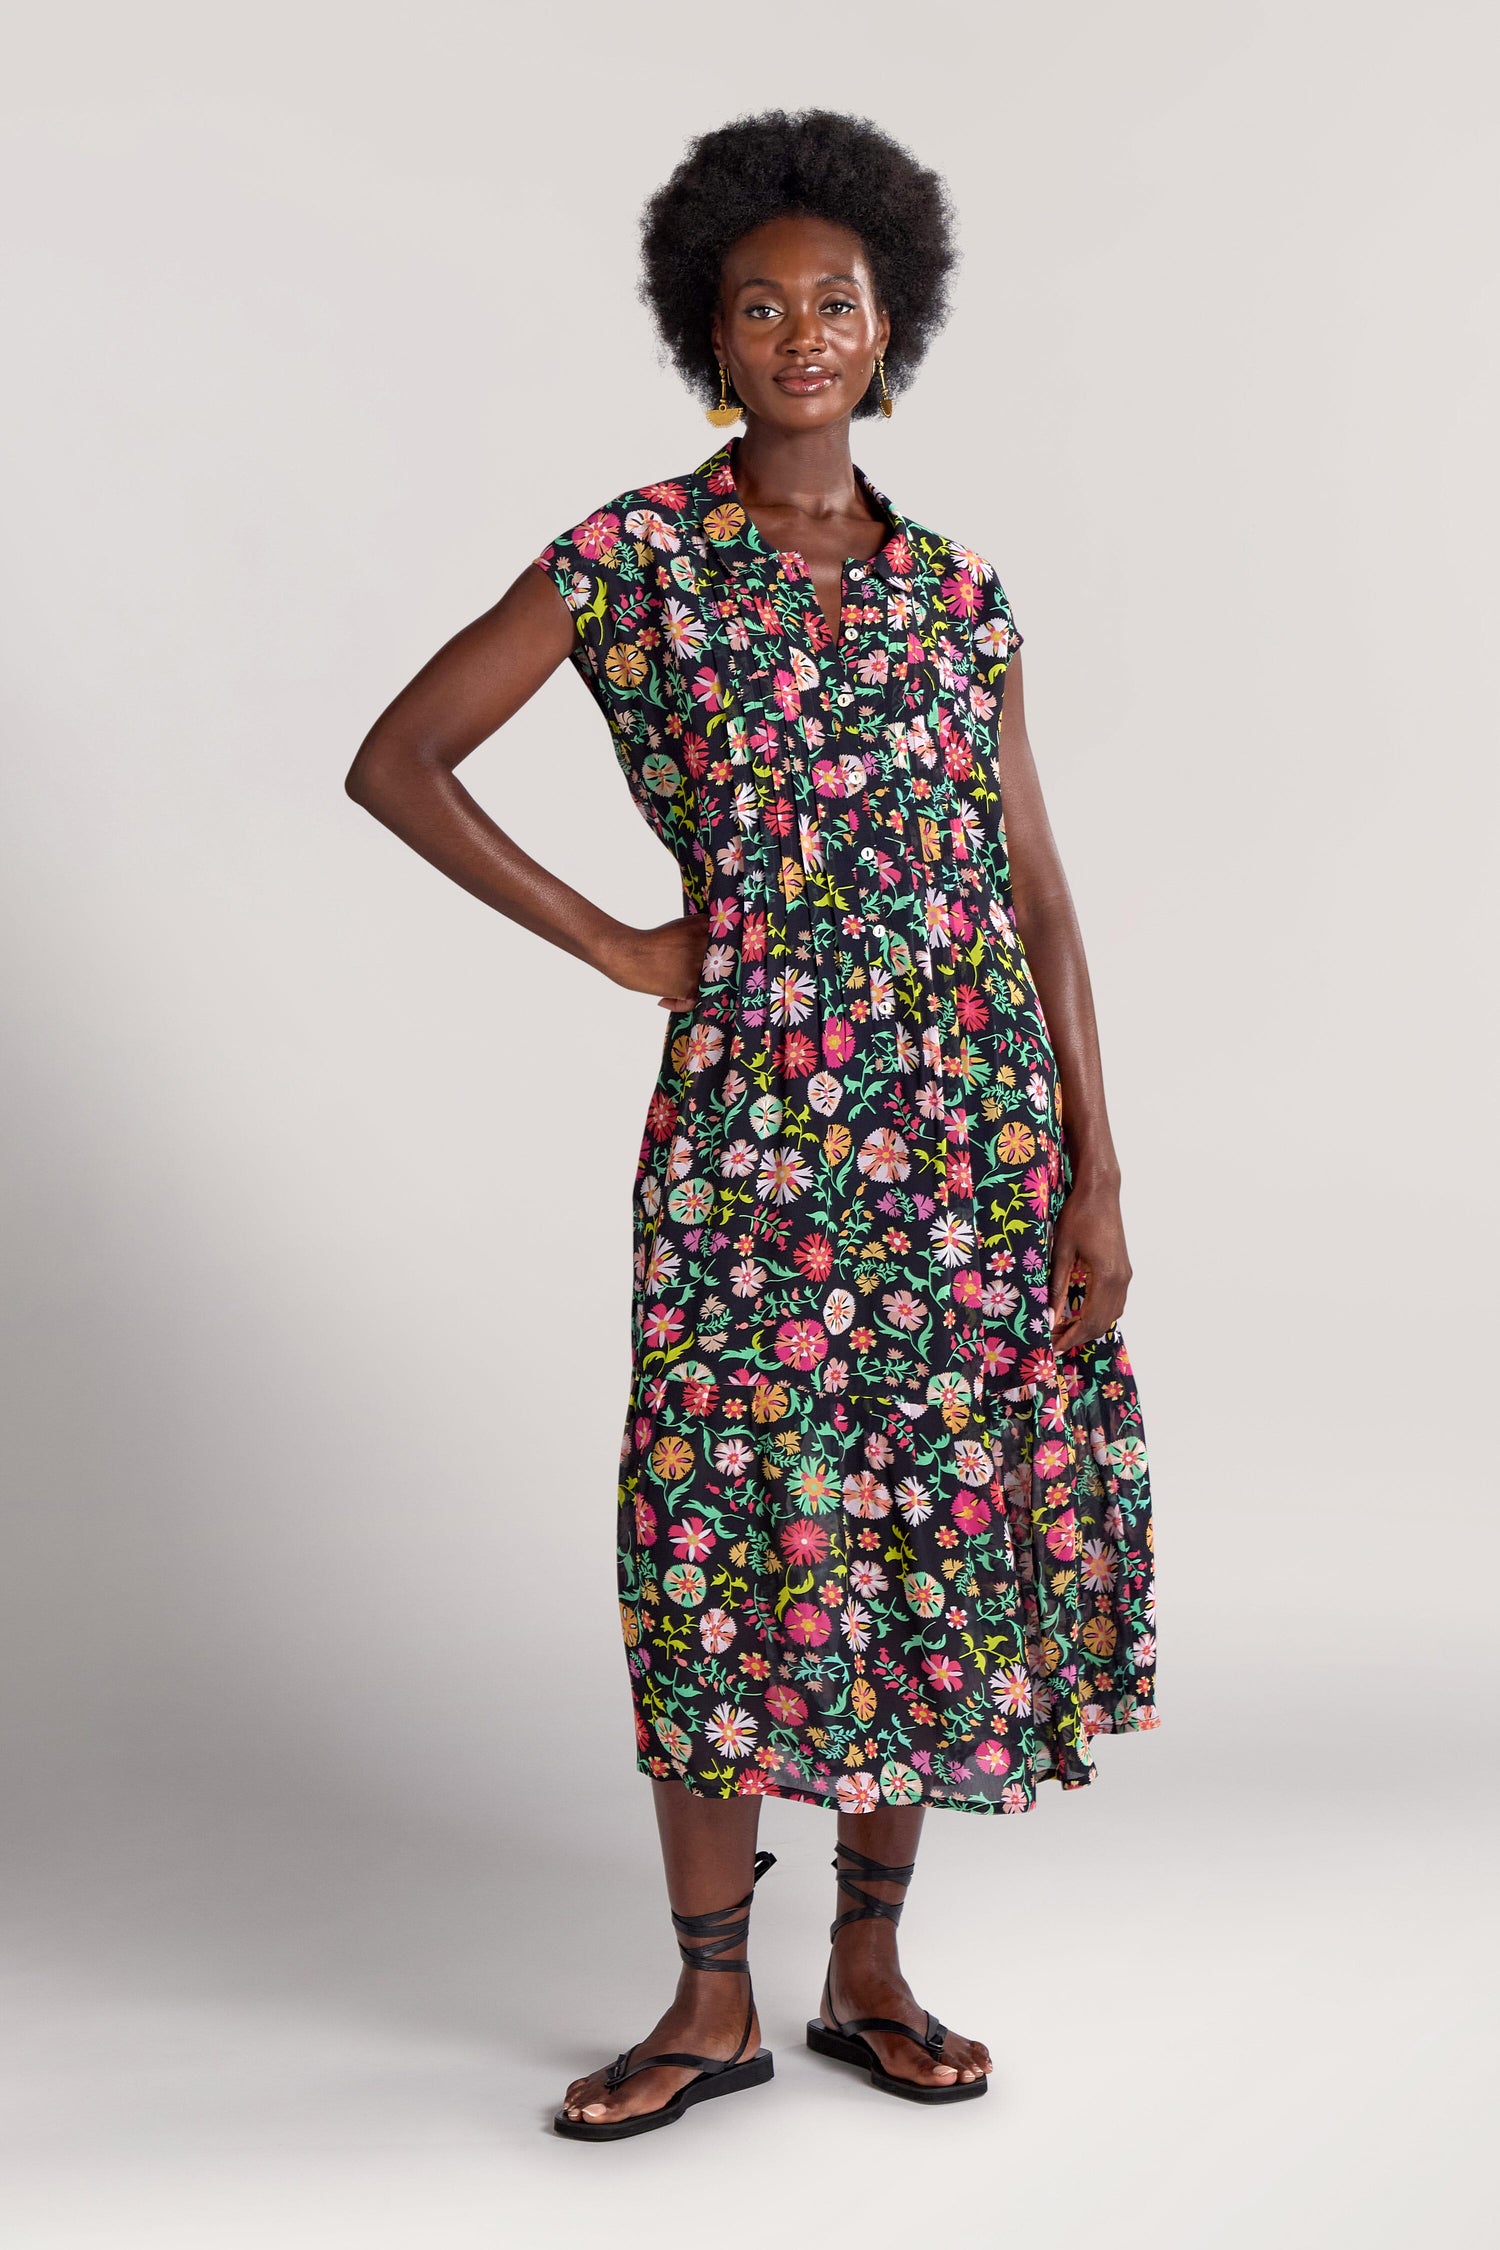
(887, 406)
(728, 409)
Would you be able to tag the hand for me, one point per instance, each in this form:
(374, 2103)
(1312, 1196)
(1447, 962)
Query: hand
(1089, 1249)
(667, 960)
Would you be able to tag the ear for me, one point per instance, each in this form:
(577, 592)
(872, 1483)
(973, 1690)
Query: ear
(716, 336)
(883, 333)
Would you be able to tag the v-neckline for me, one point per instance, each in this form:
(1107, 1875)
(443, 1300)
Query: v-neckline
(889, 530)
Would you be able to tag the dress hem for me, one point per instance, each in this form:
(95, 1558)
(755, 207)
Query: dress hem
(1014, 1798)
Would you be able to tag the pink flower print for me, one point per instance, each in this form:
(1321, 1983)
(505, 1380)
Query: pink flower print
(598, 537)
(961, 595)
(804, 1541)
(809, 1624)
(801, 1344)
(1037, 1189)
(692, 1539)
(971, 1512)
(945, 1675)
(1062, 1536)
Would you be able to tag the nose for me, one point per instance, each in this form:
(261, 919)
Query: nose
(805, 335)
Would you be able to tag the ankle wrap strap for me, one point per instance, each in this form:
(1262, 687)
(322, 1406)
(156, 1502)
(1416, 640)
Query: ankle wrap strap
(721, 1931)
(868, 1909)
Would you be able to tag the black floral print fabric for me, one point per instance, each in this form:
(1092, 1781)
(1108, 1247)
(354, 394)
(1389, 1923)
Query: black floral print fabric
(877, 1541)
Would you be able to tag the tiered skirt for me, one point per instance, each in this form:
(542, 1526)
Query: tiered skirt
(858, 1600)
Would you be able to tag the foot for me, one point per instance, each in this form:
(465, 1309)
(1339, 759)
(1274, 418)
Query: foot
(706, 2018)
(864, 1979)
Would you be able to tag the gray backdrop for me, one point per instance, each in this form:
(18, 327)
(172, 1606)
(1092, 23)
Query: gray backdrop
(327, 1862)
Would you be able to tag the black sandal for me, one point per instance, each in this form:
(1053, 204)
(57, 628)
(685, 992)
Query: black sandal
(720, 1931)
(841, 2041)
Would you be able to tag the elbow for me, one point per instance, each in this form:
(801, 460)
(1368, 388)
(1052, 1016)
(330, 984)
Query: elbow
(362, 781)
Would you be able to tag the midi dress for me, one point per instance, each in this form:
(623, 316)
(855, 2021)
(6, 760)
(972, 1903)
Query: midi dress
(877, 1542)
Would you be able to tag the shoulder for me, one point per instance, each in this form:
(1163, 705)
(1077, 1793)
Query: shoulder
(967, 588)
(631, 530)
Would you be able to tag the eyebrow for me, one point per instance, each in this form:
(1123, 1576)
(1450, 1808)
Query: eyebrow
(763, 281)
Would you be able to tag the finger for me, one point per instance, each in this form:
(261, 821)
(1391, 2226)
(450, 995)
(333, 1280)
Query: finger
(1101, 1308)
(677, 1007)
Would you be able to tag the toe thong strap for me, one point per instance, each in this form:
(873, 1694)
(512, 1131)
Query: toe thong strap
(708, 2065)
(932, 2039)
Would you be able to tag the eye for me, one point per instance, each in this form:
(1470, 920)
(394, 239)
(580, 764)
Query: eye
(754, 312)
(840, 305)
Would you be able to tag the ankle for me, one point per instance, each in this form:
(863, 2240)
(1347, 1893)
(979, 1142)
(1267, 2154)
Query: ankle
(701, 1995)
(865, 1947)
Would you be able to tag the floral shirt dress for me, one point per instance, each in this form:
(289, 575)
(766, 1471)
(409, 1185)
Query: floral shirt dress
(877, 1542)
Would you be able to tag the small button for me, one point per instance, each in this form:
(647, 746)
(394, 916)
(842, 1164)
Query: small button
(856, 573)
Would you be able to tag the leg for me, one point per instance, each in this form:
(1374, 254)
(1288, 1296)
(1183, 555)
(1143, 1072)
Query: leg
(864, 1970)
(708, 1853)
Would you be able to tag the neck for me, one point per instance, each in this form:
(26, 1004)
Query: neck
(810, 470)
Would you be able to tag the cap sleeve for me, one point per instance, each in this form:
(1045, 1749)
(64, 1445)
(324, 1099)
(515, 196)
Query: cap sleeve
(584, 565)
(608, 581)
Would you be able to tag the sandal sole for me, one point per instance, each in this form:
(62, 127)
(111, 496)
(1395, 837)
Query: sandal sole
(862, 2056)
(705, 2088)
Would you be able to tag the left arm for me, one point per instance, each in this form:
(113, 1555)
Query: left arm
(1090, 1232)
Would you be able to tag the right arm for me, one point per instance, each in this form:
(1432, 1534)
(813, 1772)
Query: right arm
(404, 773)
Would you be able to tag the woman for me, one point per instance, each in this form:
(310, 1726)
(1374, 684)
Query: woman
(884, 1521)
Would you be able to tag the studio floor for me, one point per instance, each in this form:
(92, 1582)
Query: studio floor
(1229, 2006)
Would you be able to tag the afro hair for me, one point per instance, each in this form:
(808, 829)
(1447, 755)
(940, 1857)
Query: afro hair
(817, 161)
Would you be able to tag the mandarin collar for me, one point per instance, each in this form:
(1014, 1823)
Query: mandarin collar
(734, 543)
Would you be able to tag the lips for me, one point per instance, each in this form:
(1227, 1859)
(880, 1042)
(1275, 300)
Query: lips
(804, 381)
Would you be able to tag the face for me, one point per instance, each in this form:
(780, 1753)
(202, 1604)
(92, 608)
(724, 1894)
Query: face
(799, 326)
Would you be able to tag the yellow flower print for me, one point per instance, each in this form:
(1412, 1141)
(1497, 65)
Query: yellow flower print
(625, 665)
(671, 1458)
(1015, 1144)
